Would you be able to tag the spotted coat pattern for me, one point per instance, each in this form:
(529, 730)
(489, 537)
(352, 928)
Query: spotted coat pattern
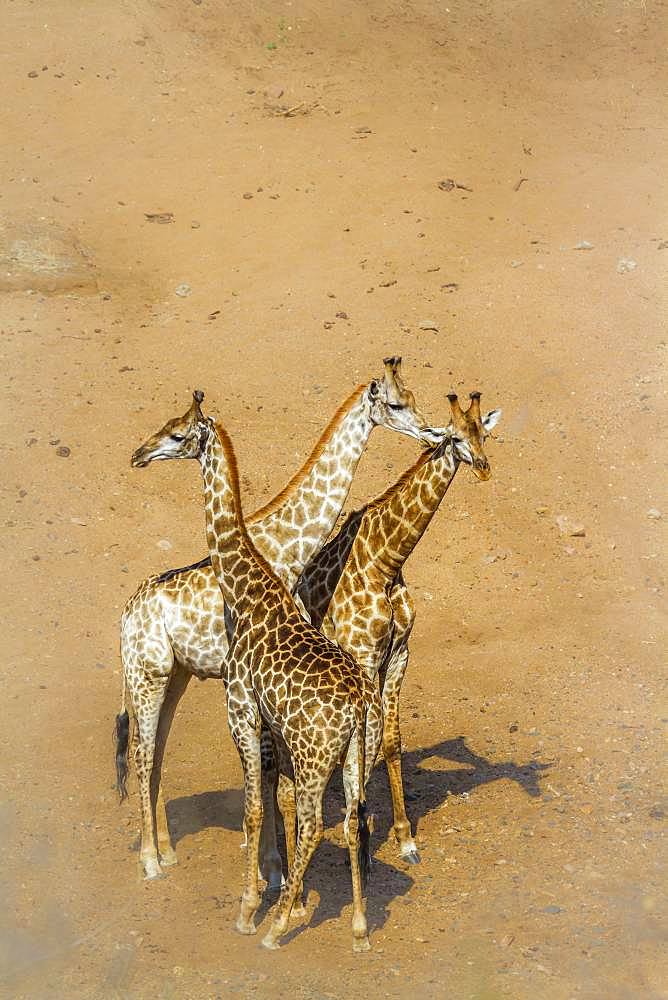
(173, 627)
(355, 592)
(281, 671)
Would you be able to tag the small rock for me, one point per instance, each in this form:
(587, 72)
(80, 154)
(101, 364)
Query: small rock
(516, 263)
(513, 728)
(274, 92)
(183, 291)
(507, 940)
(656, 812)
(584, 245)
(542, 510)
(195, 224)
(36, 558)
(248, 195)
(165, 543)
(625, 264)
(342, 315)
(33, 74)
(78, 520)
(489, 559)
(428, 324)
(328, 324)
(568, 527)
(654, 514)
(161, 218)
(553, 908)
(63, 451)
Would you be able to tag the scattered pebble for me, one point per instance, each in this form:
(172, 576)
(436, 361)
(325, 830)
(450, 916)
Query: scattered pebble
(33, 73)
(553, 908)
(516, 263)
(274, 92)
(248, 195)
(428, 324)
(161, 218)
(183, 291)
(195, 224)
(63, 451)
(568, 527)
(625, 264)
(584, 245)
(165, 543)
(654, 514)
(78, 520)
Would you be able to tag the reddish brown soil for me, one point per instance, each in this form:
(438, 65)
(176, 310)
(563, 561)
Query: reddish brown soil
(532, 705)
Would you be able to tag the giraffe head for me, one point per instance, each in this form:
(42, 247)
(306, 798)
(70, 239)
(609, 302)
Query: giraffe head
(181, 437)
(469, 430)
(392, 405)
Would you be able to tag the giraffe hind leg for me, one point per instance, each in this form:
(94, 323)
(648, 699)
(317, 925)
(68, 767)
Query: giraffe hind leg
(392, 754)
(175, 690)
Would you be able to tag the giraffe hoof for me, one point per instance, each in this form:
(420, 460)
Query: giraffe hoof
(412, 858)
(269, 942)
(243, 928)
(298, 910)
(168, 858)
(361, 944)
(152, 870)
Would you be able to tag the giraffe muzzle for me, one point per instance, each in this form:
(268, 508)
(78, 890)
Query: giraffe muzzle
(139, 459)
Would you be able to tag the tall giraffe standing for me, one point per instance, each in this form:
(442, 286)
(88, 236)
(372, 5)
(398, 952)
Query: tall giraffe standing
(280, 670)
(173, 627)
(355, 592)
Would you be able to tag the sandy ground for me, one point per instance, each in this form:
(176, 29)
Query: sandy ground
(532, 707)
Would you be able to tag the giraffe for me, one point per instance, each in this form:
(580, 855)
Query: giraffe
(355, 592)
(281, 671)
(173, 626)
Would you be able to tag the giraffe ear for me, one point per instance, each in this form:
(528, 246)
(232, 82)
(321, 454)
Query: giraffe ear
(490, 420)
(373, 389)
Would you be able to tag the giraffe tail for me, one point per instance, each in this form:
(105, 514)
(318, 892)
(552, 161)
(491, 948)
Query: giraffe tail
(122, 740)
(364, 842)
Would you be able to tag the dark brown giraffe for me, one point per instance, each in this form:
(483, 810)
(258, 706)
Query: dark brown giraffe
(281, 671)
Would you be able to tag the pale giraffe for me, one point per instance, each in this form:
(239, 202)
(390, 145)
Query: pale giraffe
(355, 592)
(281, 671)
(173, 626)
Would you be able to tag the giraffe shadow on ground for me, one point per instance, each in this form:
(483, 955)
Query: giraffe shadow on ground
(193, 813)
(426, 790)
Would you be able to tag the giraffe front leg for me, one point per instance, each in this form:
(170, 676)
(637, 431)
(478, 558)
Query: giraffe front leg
(392, 754)
(247, 740)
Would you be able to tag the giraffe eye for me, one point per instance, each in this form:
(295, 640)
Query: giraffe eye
(178, 437)
(396, 406)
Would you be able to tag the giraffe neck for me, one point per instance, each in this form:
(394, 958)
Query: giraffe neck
(242, 574)
(291, 529)
(405, 515)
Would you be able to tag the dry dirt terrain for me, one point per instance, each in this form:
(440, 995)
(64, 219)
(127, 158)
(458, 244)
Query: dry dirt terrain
(300, 149)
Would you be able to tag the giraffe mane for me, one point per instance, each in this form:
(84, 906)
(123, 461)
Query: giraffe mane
(233, 471)
(320, 445)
